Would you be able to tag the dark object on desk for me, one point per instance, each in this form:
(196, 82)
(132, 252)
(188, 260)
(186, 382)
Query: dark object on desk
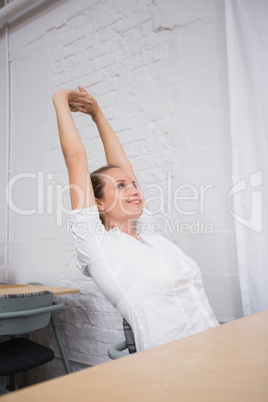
(20, 314)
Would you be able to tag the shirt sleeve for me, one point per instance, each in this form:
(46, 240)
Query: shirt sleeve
(90, 237)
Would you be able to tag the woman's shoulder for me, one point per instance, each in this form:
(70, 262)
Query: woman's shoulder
(86, 215)
(86, 223)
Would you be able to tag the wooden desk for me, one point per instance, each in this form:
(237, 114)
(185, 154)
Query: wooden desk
(16, 289)
(226, 363)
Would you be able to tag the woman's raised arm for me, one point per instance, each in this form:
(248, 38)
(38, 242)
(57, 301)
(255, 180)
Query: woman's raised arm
(81, 191)
(114, 152)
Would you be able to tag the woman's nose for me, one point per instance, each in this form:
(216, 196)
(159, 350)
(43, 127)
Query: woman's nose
(132, 190)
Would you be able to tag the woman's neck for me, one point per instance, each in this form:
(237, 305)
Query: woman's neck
(125, 227)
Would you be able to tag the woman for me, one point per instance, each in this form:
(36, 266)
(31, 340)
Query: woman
(152, 283)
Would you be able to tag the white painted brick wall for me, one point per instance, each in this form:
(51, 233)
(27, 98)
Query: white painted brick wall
(158, 69)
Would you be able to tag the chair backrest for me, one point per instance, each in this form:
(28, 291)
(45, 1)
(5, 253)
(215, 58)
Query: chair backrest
(22, 313)
(129, 336)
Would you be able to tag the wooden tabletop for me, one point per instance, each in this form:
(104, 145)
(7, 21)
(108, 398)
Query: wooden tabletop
(226, 363)
(16, 289)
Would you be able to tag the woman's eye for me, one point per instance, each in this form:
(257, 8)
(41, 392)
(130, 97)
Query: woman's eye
(135, 185)
(120, 185)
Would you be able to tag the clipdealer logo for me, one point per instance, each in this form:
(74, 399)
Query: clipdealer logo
(50, 198)
(255, 220)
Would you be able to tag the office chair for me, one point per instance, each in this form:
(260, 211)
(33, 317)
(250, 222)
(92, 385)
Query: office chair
(57, 335)
(22, 314)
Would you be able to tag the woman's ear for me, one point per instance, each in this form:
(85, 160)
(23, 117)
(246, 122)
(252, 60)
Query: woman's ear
(99, 205)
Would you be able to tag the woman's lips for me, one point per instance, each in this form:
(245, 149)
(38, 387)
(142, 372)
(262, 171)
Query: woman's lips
(135, 201)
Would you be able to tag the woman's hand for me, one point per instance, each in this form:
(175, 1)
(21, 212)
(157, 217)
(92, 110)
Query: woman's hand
(83, 102)
(70, 95)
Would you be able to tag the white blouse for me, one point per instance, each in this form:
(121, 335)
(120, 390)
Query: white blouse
(150, 281)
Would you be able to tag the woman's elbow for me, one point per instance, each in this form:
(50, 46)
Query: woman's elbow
(71, 155)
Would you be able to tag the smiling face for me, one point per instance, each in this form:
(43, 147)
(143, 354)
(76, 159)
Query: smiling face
(121, 199)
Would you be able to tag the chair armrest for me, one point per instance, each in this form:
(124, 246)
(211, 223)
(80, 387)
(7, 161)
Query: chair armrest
(116, 351)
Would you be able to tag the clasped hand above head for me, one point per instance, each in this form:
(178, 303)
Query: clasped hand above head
(82, 101)
(78, 100)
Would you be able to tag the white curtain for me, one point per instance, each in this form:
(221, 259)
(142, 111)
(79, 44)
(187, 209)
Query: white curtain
(247, 50)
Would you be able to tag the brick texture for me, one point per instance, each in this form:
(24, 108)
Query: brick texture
(158, 70)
